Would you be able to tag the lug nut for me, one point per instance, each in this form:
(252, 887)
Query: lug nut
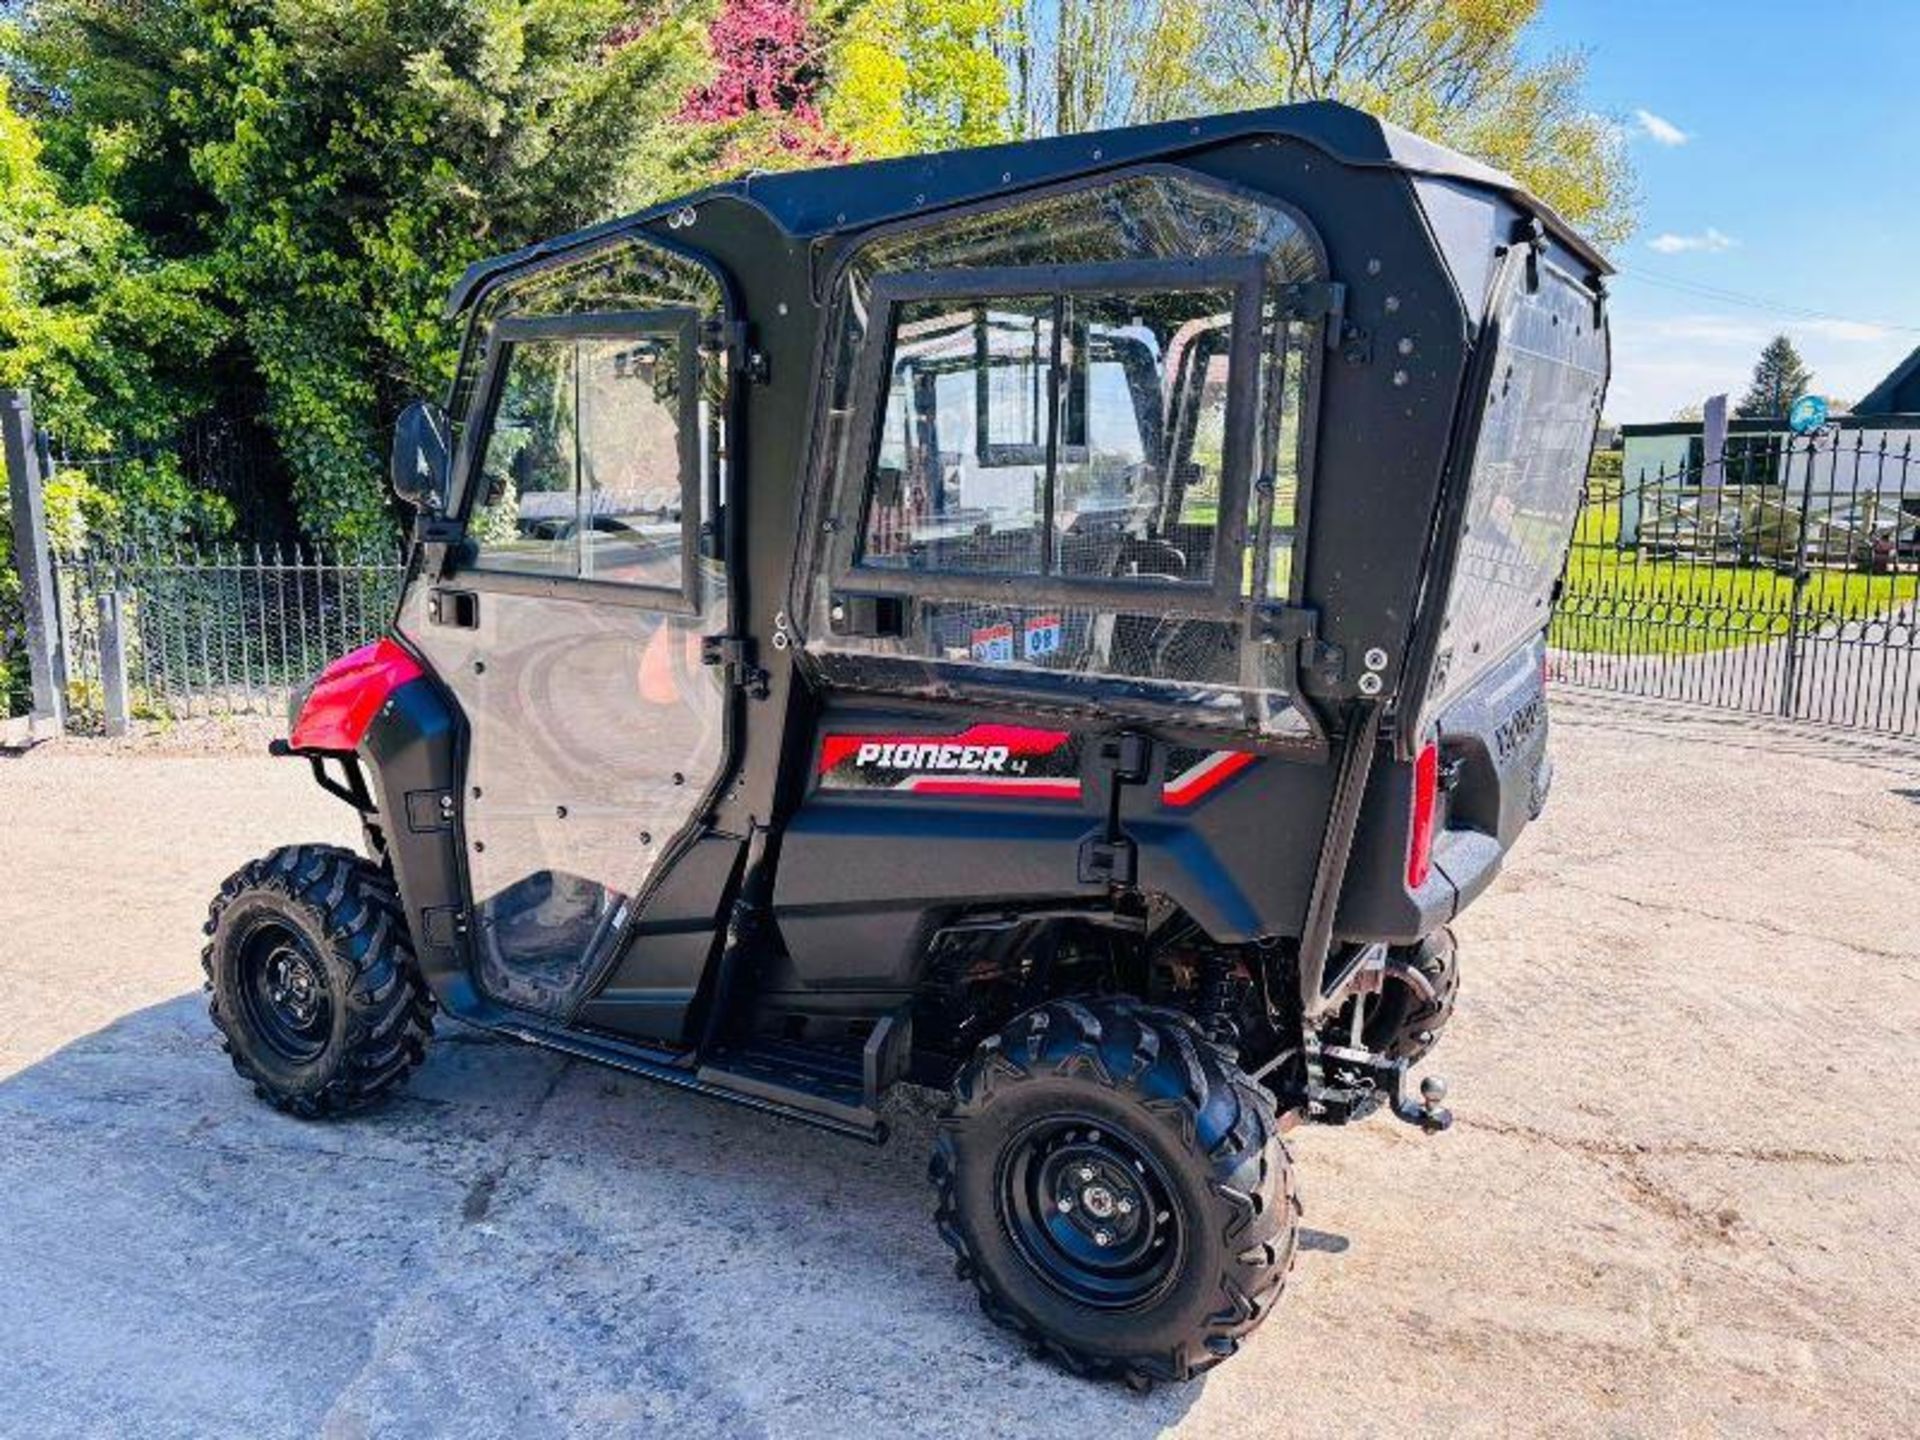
(1086, 1172)
(1123, 1205)
(1066, 1202)
(1103, 1237)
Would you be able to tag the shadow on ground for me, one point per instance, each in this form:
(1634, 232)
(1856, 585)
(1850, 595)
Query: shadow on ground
(517, 1243)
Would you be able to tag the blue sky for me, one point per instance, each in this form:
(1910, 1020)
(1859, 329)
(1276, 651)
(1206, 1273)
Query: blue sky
(1778, 153)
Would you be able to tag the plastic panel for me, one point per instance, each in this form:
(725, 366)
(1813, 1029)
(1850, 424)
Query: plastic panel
(1536, 436)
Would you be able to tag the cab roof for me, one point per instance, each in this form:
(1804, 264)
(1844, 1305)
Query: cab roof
(825, 201)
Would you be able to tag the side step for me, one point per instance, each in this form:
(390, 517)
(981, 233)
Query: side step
(823, 1082)
(816, 1094)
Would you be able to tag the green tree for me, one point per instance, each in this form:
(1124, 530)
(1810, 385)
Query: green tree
(106, 335)
(915, 75)
(1087, 65)
(335, 164)
(1780, 377)
(1452, 70)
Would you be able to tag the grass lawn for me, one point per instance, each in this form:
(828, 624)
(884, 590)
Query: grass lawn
(1625, 602)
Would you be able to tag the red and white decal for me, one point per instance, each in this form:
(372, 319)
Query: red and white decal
(982, 760)
(1204, 776)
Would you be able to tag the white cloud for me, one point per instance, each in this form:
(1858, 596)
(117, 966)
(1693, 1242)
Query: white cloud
(1658, 129)
(1854, 331)
(1742, 332)
(1663, 362)
(1710, 240)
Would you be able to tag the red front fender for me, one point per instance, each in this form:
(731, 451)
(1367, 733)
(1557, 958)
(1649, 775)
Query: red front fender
(348, 694)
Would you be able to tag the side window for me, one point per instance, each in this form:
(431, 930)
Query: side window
(959, 482)
(1062, 454)
(527, 523)
(584, 469)
(1067, 434)
(630, 461)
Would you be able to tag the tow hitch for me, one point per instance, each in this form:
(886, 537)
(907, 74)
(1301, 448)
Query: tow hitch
(1345, 1085)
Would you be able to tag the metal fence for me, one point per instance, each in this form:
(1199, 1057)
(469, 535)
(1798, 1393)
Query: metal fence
(212, 630)
(1778, 579)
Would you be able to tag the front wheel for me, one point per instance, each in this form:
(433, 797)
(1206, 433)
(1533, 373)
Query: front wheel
(313, 983)
(1116, 1188)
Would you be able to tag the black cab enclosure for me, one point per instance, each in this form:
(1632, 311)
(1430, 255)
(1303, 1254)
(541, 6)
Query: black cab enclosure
(1020, 618)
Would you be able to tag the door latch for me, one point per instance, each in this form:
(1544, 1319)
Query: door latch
(457, 608)
(733, 654)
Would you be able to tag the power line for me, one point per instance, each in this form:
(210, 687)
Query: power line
(1756, 302)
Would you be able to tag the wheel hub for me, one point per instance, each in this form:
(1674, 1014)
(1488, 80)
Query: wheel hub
(1090, 1212)
(283, 991)
(293, 987)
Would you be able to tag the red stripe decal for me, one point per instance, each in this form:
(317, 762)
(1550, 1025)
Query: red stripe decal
(998, 789)
(1209, 775)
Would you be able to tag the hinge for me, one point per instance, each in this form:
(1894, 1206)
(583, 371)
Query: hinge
(1315, 300)
(1326, 301)
(734, 654)
(1528, 231)
(743, 358)
(1299, 626)
(1125, 757)
(430, 528)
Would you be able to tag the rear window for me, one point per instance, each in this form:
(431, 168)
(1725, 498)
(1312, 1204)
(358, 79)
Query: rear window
(1069, 434)
(1536, 438)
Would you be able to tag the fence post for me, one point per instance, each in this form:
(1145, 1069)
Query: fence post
(117, 699)
(1802, 573)
(33, 558)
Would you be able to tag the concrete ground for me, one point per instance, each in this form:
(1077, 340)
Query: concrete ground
(1682, 1196)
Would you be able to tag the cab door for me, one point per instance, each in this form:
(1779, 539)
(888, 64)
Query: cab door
(569, 629)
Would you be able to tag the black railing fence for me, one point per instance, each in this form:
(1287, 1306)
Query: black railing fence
(1777, 579)
(220, 630)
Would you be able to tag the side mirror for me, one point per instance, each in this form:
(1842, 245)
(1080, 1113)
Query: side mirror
(421, 465)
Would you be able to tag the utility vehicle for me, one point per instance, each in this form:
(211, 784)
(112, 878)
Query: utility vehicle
(1062, 622)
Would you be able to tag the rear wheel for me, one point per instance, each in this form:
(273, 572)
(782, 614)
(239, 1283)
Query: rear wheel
(1116, 1189)
(1404, 1021)
(314, 986)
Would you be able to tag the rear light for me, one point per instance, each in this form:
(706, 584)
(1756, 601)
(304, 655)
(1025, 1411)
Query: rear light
(1426, 800)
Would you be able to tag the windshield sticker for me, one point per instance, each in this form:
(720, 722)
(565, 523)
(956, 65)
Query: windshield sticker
(992, 645)
(1041, 637)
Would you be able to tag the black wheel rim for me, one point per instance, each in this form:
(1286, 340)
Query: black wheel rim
(283, 989)
(1091, 1212)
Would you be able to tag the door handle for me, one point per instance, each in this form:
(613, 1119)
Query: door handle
(459, 609)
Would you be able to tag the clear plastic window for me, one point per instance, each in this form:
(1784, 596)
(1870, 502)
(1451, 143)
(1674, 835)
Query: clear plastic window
(630, 460)
(527, 520)
(1529, 469)
(583, 463)
(1118, 409)
(960, 478)
(973, 474)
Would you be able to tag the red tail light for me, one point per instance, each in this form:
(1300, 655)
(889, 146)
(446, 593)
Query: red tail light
(1426, 799)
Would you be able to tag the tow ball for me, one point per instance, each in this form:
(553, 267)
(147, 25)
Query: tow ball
(1427, 1112)
(1361, 1079)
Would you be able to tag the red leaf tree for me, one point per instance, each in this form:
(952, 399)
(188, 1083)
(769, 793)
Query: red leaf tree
(768, 69)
